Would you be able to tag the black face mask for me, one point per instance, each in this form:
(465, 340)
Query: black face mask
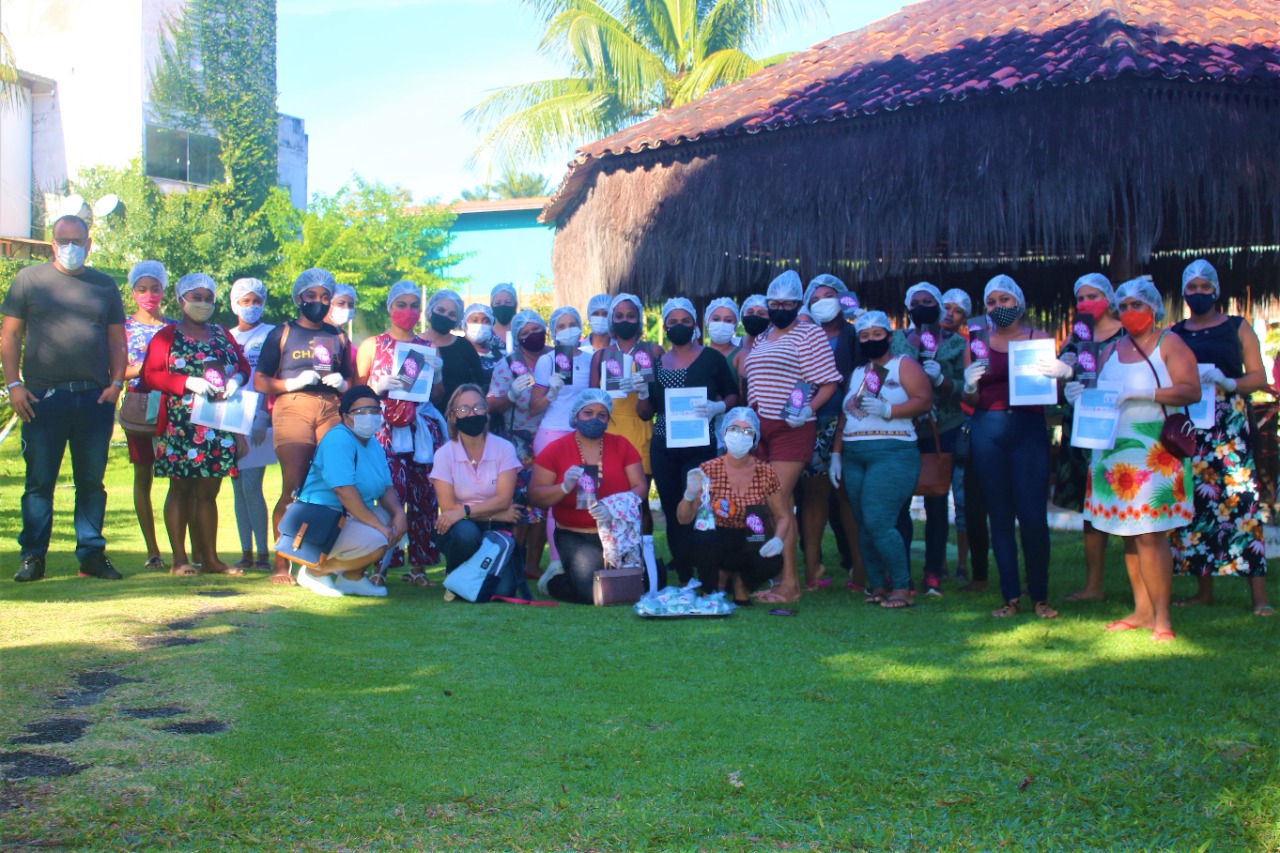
(313, 312)
(1005, 317)
(534, 342)
(754, 324)
(441, 323)
(472, 425)
(625, 330)
(874, 348)
(680, 335)
(502, 314)
(1200, 303)
(923, 315)
(781, 318)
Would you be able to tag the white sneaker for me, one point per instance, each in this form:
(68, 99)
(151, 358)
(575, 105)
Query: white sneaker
(364, 586)
(553, 570)
(320, 585)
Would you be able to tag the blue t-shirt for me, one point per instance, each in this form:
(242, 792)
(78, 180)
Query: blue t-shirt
(342, 460)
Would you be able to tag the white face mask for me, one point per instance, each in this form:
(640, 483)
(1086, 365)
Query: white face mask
(569, 336)
(251, 314)
(198, 311)
(737, 444)
(599, 324)
(72, 256)
(824, 310)
(479, 332)
(339, 316)
(721, 331)
(366, 426)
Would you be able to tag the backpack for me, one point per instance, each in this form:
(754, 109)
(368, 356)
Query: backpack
(489, 572)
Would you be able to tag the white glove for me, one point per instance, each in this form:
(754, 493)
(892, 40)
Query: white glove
(432, 359)
(261, 422)
(386, 382)
(196, 385)
(693, 483)
(571, 479)
(934, 371)
(554, 384)
(1217, 377)
(877, 406)
(233, 385)
(335, 381)
(801, 419)
(772, 548)
(1069, 359)
(1054, 367)
(519, 386)
(642, 389)
(972, 374)
(303, 380)
(601, 514)
(835, 472)
(708, 409)
(1073, 391)
(1132, 392)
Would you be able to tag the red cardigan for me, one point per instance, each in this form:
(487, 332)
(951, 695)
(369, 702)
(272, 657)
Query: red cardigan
(156, 375)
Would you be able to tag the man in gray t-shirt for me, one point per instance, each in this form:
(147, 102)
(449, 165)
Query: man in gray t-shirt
(62, 342)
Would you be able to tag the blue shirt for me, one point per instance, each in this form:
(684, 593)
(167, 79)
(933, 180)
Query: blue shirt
(341, 460)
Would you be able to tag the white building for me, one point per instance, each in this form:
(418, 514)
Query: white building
(87, 66)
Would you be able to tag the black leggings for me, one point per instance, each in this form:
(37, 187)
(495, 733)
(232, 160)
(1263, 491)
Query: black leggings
(727, 550)
(670, 468)
(975, 522)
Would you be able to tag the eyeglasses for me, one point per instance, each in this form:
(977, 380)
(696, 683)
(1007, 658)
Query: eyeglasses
(782, 304)
(365, 410)
(737, 430)
(71, 241)
(465, 411)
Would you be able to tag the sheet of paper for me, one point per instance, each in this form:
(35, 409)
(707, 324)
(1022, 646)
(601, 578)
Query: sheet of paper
(1096, 417)
(423, 376)
(1202, 413)
(684, 428)
(1026, 386)
(233, 415)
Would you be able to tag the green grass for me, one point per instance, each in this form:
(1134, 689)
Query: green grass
(411, 723)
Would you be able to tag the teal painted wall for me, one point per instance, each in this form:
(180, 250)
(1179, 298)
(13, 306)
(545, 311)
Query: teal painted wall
(502, 246)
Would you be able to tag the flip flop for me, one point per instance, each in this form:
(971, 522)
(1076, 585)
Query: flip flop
(186, 570)
(156, 563)
(1162, 636)
(820, 583)
(1122, 625)
(1264, 610)
(768, 596)
(896, 604)
(243, 564)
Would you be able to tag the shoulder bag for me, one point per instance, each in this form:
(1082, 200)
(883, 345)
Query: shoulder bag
(138, 412)
(935, 468)
(617, 586)
(1178, 435)
(308, 531)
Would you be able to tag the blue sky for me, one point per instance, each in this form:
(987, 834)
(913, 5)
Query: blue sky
(383, 84)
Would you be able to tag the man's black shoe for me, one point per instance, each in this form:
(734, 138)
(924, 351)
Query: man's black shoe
(32, 570)
(98, 566)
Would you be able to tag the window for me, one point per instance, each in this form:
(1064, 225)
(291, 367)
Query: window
(176, 155)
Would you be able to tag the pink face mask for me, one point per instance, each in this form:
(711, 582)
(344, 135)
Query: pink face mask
(147, 301)
(405, 318)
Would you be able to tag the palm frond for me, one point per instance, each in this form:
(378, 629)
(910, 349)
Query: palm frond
(12, 92)
(551, 125)
(601, 47)
(739, 23)
(718, 69)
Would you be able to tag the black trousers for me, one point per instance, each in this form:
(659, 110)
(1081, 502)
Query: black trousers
(727, 550)
(670, 468)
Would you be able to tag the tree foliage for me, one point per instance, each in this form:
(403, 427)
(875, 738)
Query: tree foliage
(513, 184)
(217, 72)
(625, 61)
(11, 90)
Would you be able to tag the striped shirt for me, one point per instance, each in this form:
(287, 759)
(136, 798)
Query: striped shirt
(777, 362)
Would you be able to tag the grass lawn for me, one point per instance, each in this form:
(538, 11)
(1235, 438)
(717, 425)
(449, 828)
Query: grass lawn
(408, 723)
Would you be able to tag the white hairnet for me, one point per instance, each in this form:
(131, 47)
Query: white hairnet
(626, 297)
(442, 296)
(678, 303)
(402, 288)
(721, 302)
(872, 319)
(524, 318)
(346, 290)
(923, 287)
(1144, 291)
(956, 296)
(1004, 284)
(586, 397)
(824, 280)
(248, 285)
(314, 277)
(1201, 269)
(194, 281)
(560, 312)
(504, 287)
(149, 269)
(478, 308)
(601, 302)
(786, 288)
(1097, 281)
(738, 415)
(755, 300)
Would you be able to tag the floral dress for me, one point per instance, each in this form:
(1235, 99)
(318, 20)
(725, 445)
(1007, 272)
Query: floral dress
(188, 451)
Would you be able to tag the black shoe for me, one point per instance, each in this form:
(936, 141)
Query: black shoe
(97, 565)
(32, 570)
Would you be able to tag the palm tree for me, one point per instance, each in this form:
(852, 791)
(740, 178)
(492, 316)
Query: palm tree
(627, 59)
(11, 91)
(520, 185)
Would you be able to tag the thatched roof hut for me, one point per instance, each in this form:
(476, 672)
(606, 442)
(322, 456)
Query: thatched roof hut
(952, 139)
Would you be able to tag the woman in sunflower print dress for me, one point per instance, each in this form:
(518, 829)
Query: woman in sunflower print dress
(1137, 490)
(1226, 536)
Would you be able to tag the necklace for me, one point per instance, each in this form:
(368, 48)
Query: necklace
(582, 457)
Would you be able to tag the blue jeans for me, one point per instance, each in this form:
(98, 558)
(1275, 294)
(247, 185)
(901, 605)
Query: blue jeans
(62, 418)
(1010, 449)
(880, 475)
(581, 555)
(937, 521)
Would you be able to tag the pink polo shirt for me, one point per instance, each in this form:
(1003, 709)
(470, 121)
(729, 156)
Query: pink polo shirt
(474, 483)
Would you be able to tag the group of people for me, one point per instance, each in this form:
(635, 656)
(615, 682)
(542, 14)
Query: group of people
(759, 425)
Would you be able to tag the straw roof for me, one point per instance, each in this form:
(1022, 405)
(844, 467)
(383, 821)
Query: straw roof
(952, 135)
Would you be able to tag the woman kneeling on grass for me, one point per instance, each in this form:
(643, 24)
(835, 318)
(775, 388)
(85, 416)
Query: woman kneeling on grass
(349, 472)
(556, 475)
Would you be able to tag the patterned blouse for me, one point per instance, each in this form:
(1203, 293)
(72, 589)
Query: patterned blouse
(138, 336)
(730, 507)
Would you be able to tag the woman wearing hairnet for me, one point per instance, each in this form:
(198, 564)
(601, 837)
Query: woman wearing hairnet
(1138, 490)
(460, 365)
(342, 308)
(1225, 538)
(598, 322)
(479, 330)
(503, 303)
(972, 542)
(248, 298)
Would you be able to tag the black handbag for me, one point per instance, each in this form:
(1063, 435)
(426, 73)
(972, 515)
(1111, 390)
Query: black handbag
(308, 531)
(961, 453)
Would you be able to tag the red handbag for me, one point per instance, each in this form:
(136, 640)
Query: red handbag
(1178, 435)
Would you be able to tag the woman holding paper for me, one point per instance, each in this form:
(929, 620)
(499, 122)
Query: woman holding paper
(186, 359)
(1137, 489)
(687, 365)
(248, 298)
(411, 431)
(880, 462)
(1009, 446)
(790, 374)
(1225, 537)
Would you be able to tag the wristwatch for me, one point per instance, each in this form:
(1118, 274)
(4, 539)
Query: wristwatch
(12, 385)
